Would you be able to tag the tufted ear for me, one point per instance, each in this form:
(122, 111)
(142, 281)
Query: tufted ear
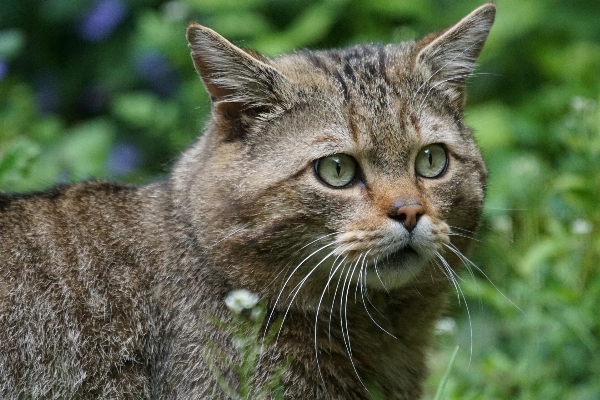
(237, 80)
(450, 55)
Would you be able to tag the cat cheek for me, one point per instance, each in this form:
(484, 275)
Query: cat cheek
(430, 234)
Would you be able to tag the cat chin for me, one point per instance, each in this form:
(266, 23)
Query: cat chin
(396, 270)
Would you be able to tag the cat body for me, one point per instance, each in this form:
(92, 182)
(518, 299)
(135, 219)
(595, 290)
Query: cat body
(337, 185)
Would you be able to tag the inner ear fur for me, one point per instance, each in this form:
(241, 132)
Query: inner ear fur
(449, 56)
(238, 80)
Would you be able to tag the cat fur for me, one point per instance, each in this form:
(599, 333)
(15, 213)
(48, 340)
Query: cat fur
(110, 291)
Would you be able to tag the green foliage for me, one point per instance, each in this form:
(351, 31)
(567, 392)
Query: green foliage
(79, 101)
(541, 248)
(442, 385)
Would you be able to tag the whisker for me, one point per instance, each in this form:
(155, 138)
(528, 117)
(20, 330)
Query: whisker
(283, 288)
(464, 236)
(465, 260)
(379, 277)
(241, 228)
(454, 250)
(351, 268)
(319, 238)
(448, 275)
(334, 268)
(282, 270)
(459, 290)
(335, 294)
(303, 247)
(345, 319)
(367, 289)
(360, 272)
(297, 288)
(458, 228)
(362, 293)
(454, 275)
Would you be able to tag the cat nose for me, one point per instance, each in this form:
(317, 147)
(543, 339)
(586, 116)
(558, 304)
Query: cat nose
(407, 214)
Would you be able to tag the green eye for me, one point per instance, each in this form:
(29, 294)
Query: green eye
(337, 170)
(431, 161)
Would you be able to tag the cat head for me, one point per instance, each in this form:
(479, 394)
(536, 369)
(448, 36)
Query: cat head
(350, 162)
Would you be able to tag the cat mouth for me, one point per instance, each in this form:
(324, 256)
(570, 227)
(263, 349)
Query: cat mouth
(401, 256)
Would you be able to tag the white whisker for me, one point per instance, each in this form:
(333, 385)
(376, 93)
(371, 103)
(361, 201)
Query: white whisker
(335, 294)
(241, 228)
(362, 293)
(319, 238)
(334, 268)
(463, 236)
(360, 273)
(351, 268)
(297, 288)
(285, 284)
(457, 228)
(466, 261)
(344, 306)
(459, 294)
(379, 276)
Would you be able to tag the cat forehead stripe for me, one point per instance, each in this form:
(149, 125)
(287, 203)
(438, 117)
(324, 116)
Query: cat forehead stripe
(354, 68)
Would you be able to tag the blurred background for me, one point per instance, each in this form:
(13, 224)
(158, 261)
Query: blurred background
(106, 89)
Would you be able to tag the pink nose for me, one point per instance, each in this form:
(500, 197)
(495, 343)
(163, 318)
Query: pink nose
(407, 214)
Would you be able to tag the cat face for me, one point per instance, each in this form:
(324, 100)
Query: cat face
(350, 163)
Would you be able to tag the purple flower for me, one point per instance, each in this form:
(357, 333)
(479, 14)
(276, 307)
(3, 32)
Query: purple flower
(3, 69)
(123, 158)
(102, 19)
(158, 72)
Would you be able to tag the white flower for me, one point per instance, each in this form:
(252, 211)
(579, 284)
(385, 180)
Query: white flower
(445, 326)
(502, 223)
(241, 299)
(581, 227)
(582, 104)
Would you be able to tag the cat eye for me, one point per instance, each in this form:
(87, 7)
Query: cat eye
(338, 170)
(431, 161)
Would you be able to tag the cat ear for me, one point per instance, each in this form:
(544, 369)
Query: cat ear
(450, 55)
(236, 79)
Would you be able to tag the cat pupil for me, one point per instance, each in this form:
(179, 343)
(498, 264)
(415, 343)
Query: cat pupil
(338, 167)
(430, 158)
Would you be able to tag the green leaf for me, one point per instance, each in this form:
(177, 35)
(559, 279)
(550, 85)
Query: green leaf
(12, 42)
(440, 391)
(309, 27)
(16, 157)
(137, 109)
(85, 148)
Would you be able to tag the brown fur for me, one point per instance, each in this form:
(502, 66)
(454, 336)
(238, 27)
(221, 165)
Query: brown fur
(107, 291)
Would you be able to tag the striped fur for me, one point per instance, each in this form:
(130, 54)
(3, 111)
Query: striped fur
(107, 291)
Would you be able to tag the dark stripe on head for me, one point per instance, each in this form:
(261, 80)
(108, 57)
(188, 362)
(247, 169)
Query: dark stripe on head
(382, 61)
(371, 68)
(349, 72)
(354, 54)
(343, 85)
(316, 61)
(354, 131)
(319, 63)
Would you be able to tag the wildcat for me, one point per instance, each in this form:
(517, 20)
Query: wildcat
(337, 185)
